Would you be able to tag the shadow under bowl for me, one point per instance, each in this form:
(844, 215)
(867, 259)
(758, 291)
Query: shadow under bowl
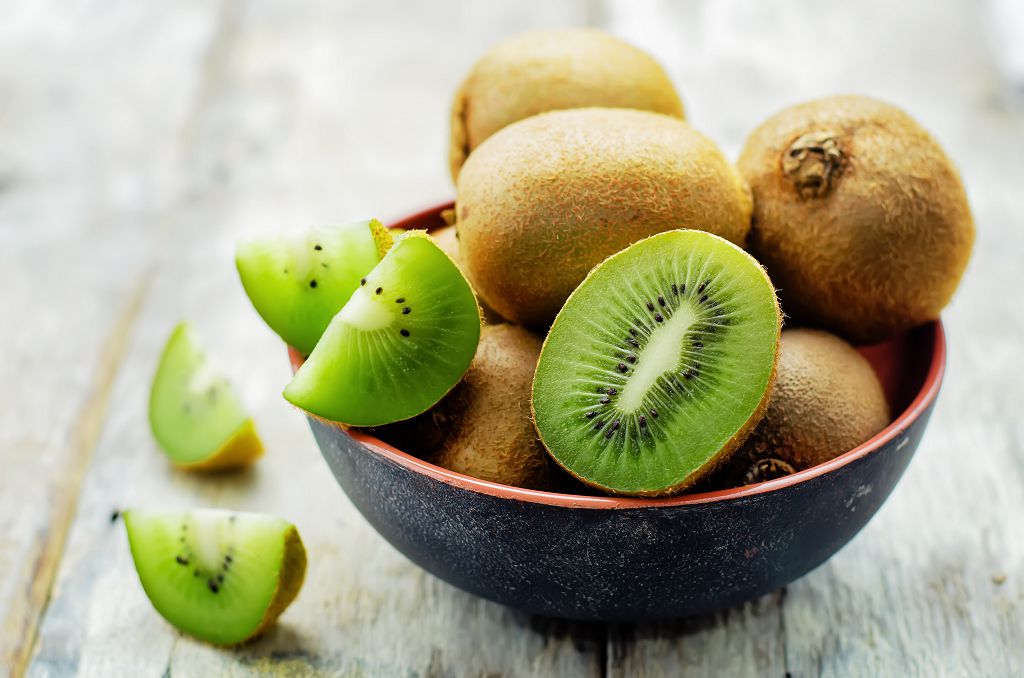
(608, 558)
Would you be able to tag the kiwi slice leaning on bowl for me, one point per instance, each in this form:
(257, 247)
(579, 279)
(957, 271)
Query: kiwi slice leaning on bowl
(196, 415)
(659, 364)
(222, 577)
(403, 340)
(298, 282)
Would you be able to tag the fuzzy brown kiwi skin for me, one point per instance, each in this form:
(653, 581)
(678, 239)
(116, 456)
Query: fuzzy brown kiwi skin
(826, 401)
(447, 238)
(710, 469)
(549, 70)
(547, 198)
(859, 216)
(490, 432)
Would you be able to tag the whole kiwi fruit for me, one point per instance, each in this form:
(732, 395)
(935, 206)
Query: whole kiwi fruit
(550, 70)
(486, 419)
(547, 198)
(826, 400)
(859, 216)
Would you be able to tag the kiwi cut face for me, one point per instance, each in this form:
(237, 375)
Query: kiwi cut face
(195, 413)
(403, 340)
(220, 576)
(658, 365)
(298, 282)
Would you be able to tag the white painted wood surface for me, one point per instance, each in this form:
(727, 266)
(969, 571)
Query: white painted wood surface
(139, 140)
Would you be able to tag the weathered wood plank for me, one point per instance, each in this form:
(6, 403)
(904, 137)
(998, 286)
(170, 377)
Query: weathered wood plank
(933, 585)
(85, 140)
(313, 114)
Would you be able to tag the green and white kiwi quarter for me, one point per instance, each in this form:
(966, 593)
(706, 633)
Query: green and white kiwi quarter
(220, 576)
(195, 414)
(659, 364)
(401, 342)
(297, 283)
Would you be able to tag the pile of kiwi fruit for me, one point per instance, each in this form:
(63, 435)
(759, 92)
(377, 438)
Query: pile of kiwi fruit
(604, 312)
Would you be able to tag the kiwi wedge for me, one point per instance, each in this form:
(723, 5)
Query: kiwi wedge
(220, 576)
(658, 365)
(196, 416)
(400, 343)
(298, 282)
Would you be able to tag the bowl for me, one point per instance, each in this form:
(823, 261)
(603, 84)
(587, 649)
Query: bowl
(607, 558)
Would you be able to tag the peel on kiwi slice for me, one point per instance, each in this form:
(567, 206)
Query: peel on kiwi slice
(195, 414)
(403, 340)
(658, 365)
(298, 282)
(222, 577)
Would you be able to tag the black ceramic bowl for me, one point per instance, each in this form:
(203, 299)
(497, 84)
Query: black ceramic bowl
(603, 558)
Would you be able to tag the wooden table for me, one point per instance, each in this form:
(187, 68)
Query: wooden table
(139, 139)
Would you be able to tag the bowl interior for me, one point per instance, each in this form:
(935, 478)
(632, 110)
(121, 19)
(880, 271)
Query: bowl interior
(910, 368)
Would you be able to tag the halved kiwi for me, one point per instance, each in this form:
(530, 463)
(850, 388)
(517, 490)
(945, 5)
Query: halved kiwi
(298, 282)
(402, 341)
(222, 577)
(659, 364)
(194, 412)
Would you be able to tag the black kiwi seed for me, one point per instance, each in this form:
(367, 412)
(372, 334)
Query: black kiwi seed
(212, 585)
(650, 306)
(362, 281)
(404, 333)
(400, 300)
(698, 344)
(605, 401)
(611, 391)
(181, 560)
(406, 311)
(609, 433)
(227, 558)
(378, 290)
(615, 425)
(658, 317)
(591, 415)
(317, 247)
(654, 413)
(675, 288)
(703, 298)
(220, 578)
(598, 425)
(632, 331)
(633, 342)
(312, 283)
(631, 358)
(701, 287)
(682, 288)
(661, 301)
(621, 367)
(642, 420)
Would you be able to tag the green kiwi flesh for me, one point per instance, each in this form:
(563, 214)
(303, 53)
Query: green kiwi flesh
(403, 340)
(297, 283)
(658, 365)
(222, 577)
(196, 415)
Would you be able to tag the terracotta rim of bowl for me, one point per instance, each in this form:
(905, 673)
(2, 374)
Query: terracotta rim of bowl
(924, 398)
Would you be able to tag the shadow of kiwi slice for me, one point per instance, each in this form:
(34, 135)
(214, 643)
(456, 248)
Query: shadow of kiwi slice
(658, 365)
(400, 343)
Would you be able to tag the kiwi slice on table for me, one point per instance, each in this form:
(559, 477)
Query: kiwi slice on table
(402, 341)
(195, 414)
(659, 364)
(298, 282)
(220, 576)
